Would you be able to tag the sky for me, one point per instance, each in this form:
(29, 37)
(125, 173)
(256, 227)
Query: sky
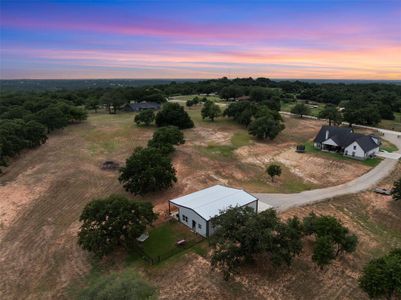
(325, 39)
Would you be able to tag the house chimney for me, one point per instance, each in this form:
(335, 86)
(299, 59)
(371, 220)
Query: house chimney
(327, 134)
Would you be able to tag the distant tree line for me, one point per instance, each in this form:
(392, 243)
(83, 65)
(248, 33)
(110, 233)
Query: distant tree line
(25, 120)
(364, 103)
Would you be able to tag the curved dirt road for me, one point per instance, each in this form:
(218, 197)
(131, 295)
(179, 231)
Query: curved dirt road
(284, 201)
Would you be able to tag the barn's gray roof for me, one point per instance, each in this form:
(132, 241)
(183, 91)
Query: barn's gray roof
(209, 202)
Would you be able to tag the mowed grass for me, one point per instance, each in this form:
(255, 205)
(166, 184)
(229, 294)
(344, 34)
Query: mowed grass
(162, 239)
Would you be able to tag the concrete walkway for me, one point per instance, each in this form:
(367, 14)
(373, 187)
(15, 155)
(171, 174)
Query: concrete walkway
(369, 180)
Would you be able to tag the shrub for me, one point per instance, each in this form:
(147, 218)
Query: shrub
(145, 117)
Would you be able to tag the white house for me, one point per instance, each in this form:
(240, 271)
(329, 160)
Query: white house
(345, 141)
(197, 209)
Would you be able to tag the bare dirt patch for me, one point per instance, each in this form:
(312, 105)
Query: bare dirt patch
(205, 136)
(318, 170)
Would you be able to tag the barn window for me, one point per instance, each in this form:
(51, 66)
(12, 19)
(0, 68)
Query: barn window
(354, 147)
(184, 218)
(199, 226)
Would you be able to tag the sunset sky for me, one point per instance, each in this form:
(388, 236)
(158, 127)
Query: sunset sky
(201, 39)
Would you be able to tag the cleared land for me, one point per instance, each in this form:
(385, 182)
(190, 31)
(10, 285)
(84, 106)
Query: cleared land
(373, 218)
(44, 191)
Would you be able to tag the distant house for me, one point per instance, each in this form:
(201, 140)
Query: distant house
(243, 98)
(138, 106)
(197, 209)
(345, 141)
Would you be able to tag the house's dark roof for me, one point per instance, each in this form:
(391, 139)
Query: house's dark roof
(143, 105)
(344, 137)
(333, 132)
(366, 142)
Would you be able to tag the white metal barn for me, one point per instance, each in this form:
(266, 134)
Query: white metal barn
(195, 210)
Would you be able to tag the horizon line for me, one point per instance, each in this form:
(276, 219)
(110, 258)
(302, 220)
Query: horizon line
(216, 78)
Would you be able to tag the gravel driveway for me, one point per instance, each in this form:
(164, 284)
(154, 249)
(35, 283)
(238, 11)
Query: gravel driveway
(284, 201)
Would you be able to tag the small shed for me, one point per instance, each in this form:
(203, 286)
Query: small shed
(197, 209)
(300, 149)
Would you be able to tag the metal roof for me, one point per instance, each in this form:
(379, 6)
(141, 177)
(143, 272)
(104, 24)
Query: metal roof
(209, 202)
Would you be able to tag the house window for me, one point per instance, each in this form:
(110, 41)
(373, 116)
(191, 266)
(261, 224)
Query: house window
(199, 226)
(184, 218)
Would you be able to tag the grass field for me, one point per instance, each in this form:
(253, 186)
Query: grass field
(392, 124)
(44, 190)
(314, 111)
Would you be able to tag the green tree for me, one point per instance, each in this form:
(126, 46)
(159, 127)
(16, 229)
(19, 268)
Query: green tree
(382, 277)
(273, 170)
(92, 103)
(158, 98)
(240, 111)
(35, 133)
(360, 112)
(265, 127)
(173, 114)
(300, 109)
(12, 138)
(112, 222)
(112, 100)
(396, 190)
(145, 117)
(241, 235)
(331, 113)
(52, 117)
(323, 251)
(329, 227)
(15, 112)
(232, 91)
(125, 285)
(147, 170)
(210, 110)
(165, 137)
(259, 94)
